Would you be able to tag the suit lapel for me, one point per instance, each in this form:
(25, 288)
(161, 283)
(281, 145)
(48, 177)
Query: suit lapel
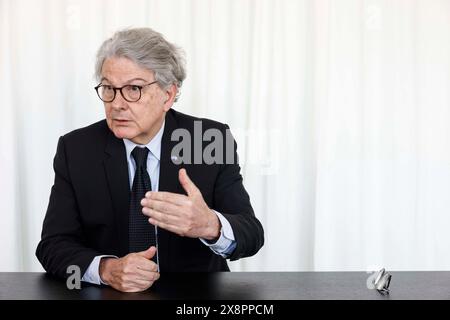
(168, 181)
(116, 169)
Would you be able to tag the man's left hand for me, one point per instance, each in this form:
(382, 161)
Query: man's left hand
(187, 216)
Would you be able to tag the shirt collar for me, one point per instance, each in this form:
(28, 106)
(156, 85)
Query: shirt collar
(154, 145)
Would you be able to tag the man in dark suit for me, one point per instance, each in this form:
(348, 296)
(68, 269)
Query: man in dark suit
(124, 207)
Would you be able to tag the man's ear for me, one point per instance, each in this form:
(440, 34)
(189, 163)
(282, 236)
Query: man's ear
(171, 94)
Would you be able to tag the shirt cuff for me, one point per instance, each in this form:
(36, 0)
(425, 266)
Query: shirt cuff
(226, 239)
(92, 274)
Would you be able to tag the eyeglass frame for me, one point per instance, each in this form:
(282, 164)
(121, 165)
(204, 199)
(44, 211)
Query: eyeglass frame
(120, 89)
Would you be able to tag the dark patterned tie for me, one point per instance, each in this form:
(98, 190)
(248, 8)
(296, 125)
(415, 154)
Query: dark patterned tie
(141, 232)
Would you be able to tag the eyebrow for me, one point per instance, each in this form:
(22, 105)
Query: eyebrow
(126, 82)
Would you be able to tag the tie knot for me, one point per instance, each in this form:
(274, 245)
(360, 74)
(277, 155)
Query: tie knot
(140, 156)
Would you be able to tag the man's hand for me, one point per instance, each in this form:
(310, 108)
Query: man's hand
(133, 273)
(187, 216)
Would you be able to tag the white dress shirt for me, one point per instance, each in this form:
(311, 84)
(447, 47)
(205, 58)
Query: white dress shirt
(223, 246)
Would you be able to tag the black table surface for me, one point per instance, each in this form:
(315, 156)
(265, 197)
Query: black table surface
(237, 286)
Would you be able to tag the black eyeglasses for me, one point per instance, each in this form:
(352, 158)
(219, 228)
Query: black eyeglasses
(130, 92)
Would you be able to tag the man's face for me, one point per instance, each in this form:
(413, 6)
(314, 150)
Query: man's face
(137, 121)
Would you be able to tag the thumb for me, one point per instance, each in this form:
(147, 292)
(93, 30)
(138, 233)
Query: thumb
(187, 183)
(149, 253)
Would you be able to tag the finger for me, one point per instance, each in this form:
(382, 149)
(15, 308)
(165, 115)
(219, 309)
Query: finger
(148, 265)
(187, 184)
(136, 283)
(169, 227)
(160, 216)
(147, 275)
(162, 206)
(174, 198)
(147, 254)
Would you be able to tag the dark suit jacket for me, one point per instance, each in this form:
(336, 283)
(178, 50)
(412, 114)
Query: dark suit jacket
(88, 208)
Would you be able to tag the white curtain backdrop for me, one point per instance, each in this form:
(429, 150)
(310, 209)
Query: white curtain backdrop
(341, 111)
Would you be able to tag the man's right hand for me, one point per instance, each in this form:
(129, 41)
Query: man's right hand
(133, 273)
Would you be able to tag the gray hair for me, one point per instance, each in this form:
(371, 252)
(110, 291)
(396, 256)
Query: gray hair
(148, 49)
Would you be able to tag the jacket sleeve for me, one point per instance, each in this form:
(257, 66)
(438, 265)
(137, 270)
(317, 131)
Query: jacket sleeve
(233, 202)
(62, 240)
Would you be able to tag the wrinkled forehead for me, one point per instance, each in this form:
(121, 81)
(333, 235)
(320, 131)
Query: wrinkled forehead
(121, 70)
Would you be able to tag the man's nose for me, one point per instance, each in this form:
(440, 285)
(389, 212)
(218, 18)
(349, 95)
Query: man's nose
(119, 103)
